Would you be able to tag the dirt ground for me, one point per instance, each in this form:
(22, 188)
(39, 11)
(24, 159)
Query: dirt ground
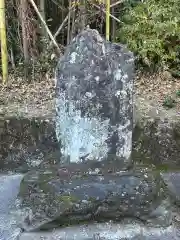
(18, 98)
(157, 88)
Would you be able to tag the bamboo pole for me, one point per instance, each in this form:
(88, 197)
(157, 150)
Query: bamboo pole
(61, 27)
(4, 55)
(113, 26)
(23, 16)
(116, 3)
(62, 18)
(83, 14)
(45, 25)
(115, 18)
(42, 11)
(69, 23)
(73, 23)
(107, 19)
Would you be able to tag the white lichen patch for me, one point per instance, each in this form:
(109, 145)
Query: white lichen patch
(118, 74)
(97, 78)
(80, 136)
(89, 94)
(131, 60)
(125, 134)
(73, 57)
(118, 93)
(124, 78)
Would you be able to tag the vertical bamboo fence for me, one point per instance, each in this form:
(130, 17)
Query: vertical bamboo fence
(4, 56)
(107, 19)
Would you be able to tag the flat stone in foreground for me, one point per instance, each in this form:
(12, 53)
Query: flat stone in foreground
(62, 197)
(9, 189)
(107, 231)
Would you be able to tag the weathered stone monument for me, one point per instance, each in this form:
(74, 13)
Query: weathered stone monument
(94, 100)
(94, 123)
(95, 179)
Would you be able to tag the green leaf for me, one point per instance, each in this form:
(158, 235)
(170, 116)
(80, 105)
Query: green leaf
(152, 30)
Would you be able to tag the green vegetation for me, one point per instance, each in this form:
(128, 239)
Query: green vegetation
(69, 199)
(178, 93)
(169, 102)
(152, 30)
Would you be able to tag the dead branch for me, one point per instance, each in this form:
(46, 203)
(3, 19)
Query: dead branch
(105, 13)
(116, 3)
(45, 25)
(60, 27)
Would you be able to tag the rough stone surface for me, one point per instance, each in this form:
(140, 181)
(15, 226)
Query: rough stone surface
(94, 100)
(172, 180)
(93, 190)
(107, 231)
(156, 136)
(65, 196)
(9, 189)
(21, 132)
(27, 143)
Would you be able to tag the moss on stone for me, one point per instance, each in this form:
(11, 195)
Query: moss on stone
(69, 199)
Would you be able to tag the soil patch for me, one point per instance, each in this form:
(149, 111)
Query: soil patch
(157, 87)
(18, 98)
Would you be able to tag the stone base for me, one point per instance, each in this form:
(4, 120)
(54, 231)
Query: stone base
(107, 231)
(58, 197)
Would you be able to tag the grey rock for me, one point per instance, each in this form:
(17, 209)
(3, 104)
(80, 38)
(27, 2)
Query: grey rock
(105, 231)
(94, 110)
(27, 144)
(9, 189)
(156, 136)
(56, 198)
(172, 180)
